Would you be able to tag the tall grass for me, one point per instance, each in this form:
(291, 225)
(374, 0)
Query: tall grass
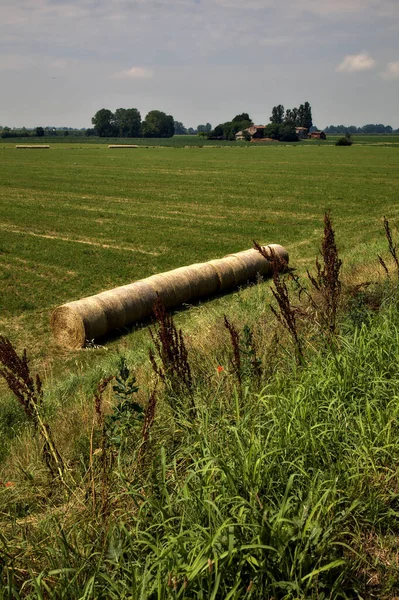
(271, 494)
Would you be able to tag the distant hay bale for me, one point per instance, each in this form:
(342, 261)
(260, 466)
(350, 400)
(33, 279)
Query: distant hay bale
(32, 147)
(123, 146)
(74, 323)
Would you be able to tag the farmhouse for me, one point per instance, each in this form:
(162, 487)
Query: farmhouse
(255, 131)
(317, 135)
(302, 132)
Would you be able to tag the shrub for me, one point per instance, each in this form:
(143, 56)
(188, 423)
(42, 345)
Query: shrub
(344, 141)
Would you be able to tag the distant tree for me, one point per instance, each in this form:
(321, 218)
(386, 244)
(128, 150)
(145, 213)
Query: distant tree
(6, 133)
(204, 128)
(288, 133)
(284, 132)
(158, 124)
(179, 128)
(242, 117)
(104, 123)
(306, 116)
(90, 132)
(128, 122)
(277, 114)
(273, 131)
(39, 131)
(291, 117)
(368, 129)
(217, 132)
(192, 131)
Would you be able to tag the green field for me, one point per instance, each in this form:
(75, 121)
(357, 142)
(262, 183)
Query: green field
(78, 219)
(271, 470)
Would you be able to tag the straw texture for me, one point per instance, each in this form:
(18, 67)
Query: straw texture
(75, 323)
(123, 146)
(32, 146)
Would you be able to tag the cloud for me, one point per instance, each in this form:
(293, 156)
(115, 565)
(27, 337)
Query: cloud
(356, 62)
(135, 73)
(391, 71)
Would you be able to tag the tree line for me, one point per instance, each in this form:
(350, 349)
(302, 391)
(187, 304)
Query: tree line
(365, 129)
(126, 122)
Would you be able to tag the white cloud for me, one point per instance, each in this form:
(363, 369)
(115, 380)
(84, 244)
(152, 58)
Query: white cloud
(356, 62)
(391, 71)
(135, 73)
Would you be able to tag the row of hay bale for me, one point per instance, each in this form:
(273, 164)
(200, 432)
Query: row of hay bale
(32, 146)
(123, 146)
(95, 316)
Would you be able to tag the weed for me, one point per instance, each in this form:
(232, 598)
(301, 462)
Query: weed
(29, 393)
(392, 249)
(174, 369)
(327, 279)
(288, 313)
(235, 343)
(252, 363)
(127, 414)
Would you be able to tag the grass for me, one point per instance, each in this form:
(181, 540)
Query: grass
(80, 219)
(285, 490)
(282, 483)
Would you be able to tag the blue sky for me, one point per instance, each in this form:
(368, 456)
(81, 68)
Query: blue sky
(199, 60)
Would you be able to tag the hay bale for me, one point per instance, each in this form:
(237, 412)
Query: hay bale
(76, 322)
(32, 146)
(136, 298)
(123, 146)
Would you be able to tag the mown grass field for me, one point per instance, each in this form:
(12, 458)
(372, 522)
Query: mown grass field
(76, 220)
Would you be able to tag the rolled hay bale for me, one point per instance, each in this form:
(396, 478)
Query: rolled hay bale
(76, 322)
(123, 146)
(93, 317)
(32, 146)
(135, 298)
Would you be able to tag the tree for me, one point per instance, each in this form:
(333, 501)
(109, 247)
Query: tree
(104, 123)
(158, 124)
(306, 119)
(242, 117)
(39, 131)
(291, 117)
(288, 133)
(284, 132)
(277, 114)
(204, 128)
(179, 128)
(128, 122)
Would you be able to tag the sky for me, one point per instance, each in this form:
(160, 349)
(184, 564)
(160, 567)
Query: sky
(198, 60)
